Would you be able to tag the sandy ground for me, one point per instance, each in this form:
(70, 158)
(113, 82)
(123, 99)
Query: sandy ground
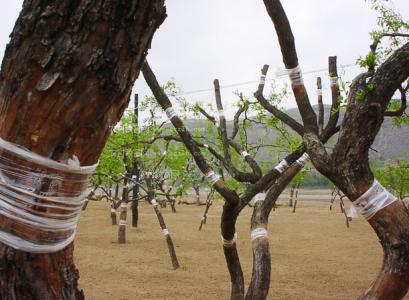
(314, 255)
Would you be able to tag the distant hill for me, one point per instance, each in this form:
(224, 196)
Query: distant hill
(391, 141)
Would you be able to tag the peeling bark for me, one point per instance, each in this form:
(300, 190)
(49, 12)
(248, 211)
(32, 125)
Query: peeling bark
(66, 79)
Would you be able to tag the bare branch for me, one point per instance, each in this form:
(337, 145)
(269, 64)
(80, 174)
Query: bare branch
(290, 59)
(163, 100)
(320, 106)
(286, 119)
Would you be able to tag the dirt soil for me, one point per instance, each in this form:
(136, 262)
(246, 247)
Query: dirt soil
(314, 255)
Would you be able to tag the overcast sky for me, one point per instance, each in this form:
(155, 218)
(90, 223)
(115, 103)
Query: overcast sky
(231, 40)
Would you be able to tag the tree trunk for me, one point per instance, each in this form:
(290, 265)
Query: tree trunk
(135, 172)
(135, 196)
(124, 212)
(165, 230)
(66, 79)
(113, 214)
(290, 204)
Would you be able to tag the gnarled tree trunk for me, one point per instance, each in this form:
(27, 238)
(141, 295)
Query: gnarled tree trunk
(66, 79)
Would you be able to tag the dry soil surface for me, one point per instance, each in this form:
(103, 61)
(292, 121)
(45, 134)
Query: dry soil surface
(314, 255)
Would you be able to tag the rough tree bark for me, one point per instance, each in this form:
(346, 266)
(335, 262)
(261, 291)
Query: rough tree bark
(348, 165)
(66, 79)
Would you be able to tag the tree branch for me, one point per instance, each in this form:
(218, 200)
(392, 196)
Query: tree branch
(290, 59)
(286, 119)
(163, 100)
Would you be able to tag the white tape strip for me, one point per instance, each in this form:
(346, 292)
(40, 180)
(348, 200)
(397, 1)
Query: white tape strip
(212, 177)
(373, 200)
(333, 81)
(258, 233)
(262, 79)
(170, 112)
(229, 243)
(165, 231)
(206, 145)
(303, 159)
(245, 154)
(154, 202)
(319, 92)
(282, 166)
(122, 222)
(113, 210)
(260, 197)
(38, 204)
(295, 75)
(124, 205)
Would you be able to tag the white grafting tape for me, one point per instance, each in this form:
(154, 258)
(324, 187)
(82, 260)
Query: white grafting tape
(113, 210)
(212, 177)
(154, 202)
(282, 166)
(294, 74)
(170, 113)
(206, 145)
(122, 222)
(124, 205)
(245, 154)
(259, 197)
(229, 243)
(303, 159)
(333, 81)
(373, 200)
(40, 195)
(258, 233)
(319, 92)
(262, 79)
(165, 231)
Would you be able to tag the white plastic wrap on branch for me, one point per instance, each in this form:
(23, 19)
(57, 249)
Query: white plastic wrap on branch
(294, 74)
(113, 210)
(259, 197)
(122, 222)
(229, 243)
(40, 199)
(170, 113)
(319, 92)
(212, 177)
(333, 81)
(258, 233)
(282, 166)
(303, 159)
(206, 146)
(245, 154)
(154, 202)
(373, 200)
(165, 231)
(263, 79)
(124, 205)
